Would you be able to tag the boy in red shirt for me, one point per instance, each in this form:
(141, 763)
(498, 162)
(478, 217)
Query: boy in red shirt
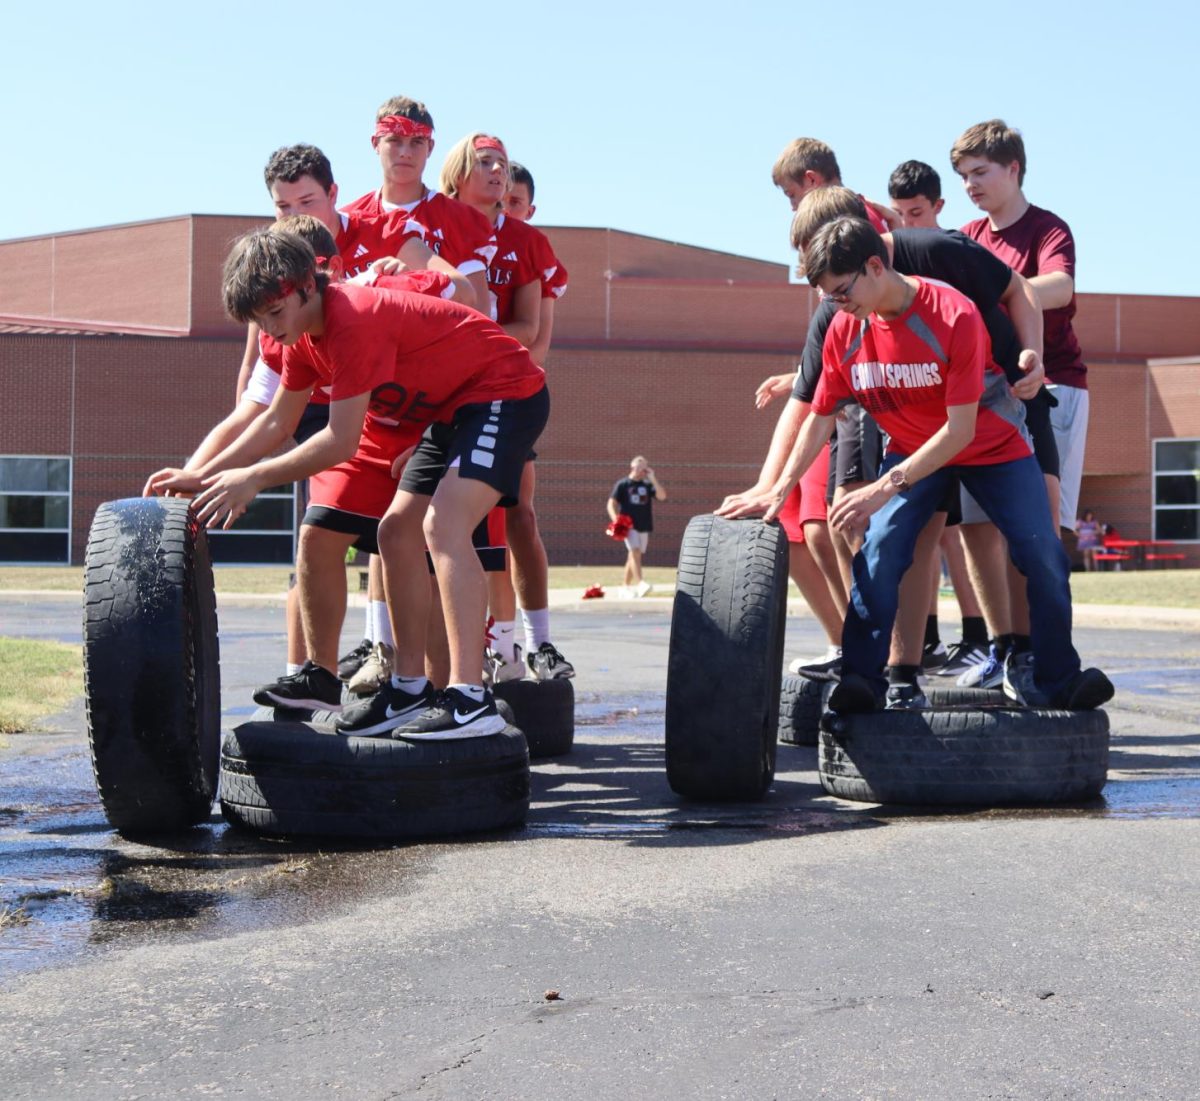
(990, 159)
(394, 363)
(916, 354)
(476, 172)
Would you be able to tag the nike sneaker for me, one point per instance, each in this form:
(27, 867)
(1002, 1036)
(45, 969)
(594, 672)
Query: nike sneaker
(451, 715)
(383, 712)
(312, 689)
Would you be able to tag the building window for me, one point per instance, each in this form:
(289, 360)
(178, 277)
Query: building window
(263, 534)
(35, 509)
(1177, 490)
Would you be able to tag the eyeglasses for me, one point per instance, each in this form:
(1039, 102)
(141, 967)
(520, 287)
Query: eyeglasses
(843, 295)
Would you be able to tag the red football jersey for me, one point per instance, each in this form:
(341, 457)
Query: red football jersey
(515, 265)
(364, 239)
(554, 274)
(419, 357)
(907, 370)
(456, 232)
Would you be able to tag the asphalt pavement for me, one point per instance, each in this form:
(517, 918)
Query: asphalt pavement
(801, 946)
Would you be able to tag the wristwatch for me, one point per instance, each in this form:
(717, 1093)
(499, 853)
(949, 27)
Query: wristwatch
(898, 479)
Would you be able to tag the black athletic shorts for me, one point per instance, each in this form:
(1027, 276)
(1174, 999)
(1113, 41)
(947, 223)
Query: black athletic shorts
(364, 528)
(489, 441)
(1037, 421)
(312, 420)
(855, 451)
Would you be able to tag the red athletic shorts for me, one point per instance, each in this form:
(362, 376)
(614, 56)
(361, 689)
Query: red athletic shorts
(807, 501)
(363, 484)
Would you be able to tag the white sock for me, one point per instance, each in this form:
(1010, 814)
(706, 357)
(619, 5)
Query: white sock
(537, 627)
(293, 669)
(381, 624)
(369, 621)
(474, 691)
(505, 641)
(414, 686)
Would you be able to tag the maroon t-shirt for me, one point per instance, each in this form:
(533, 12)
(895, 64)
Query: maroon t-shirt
(1039, 243)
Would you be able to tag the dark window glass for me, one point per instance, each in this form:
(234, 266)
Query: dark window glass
(1177, 523)
(228, 548)
(33, 512)
(1177, 489)
(1177, 455)
(34, 546)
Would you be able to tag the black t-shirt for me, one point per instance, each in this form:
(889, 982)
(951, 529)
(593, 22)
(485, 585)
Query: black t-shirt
(633, 496)
(946, 255)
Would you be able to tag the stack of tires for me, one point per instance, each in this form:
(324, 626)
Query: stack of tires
(727, 699)
(152, 686)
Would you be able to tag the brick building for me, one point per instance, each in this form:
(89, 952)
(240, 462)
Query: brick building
(115, 357)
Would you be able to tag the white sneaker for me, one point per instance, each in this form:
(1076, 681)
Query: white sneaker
(643, 587)
(373, 673)
(497, 670)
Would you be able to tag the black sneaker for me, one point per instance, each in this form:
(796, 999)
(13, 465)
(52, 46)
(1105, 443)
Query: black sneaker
(906, 697)
(546, 663)
(853, 695)
(934, 655)
(451, 715)
(314, 688)
(389, 708)
(1088, 691)
(821, 670)
(349, 664)
(961, 657)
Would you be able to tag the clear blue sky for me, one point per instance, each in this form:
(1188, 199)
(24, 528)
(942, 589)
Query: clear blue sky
(660, 119)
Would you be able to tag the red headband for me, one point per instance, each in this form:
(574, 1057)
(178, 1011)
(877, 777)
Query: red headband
(286, 287)
(484, 141)
(401, 127)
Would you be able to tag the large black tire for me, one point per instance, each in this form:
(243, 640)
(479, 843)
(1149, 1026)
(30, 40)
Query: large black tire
(545, 712)
(801, 703)
(286, 779)
(726, 659)
(991, 758)
(151, 665)
(950, 695)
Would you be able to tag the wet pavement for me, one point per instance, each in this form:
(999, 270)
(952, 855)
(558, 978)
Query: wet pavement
(647, 889)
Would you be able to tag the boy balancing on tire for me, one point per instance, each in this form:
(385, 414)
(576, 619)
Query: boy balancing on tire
(916, 355)
(394, 363)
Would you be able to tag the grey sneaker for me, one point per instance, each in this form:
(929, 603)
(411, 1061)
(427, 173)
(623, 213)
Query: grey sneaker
(546, 663)
(1087, 691)
(906, 697)
(374, 673)
(1013, 673)
(988, 674)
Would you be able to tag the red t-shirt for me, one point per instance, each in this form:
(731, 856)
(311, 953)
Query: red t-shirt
(906, 371)
(1039, 243)
(364, 239)
(458, 233)
(270, 351)
(874, 217)
(419, 357)
(554, 274)
(515, 265)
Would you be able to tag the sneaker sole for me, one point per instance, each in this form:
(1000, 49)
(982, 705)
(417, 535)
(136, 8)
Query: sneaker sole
(481, 728)
(269, 699)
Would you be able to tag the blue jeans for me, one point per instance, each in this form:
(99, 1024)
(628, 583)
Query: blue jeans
(1013, 495)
